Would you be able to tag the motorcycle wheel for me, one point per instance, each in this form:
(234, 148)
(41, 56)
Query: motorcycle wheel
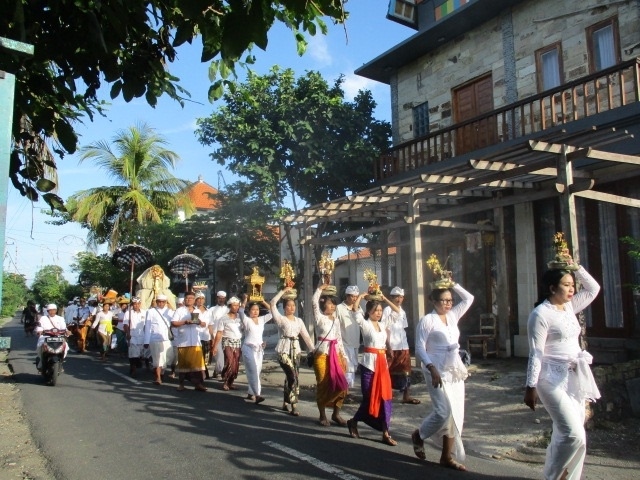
(55, 371)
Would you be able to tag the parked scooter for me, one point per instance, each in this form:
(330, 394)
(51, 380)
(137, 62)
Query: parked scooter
(53, 352)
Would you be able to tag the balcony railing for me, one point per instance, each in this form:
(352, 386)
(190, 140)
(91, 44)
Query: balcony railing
(605, 90)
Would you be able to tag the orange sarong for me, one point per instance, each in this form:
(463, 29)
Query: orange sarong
(381, 383)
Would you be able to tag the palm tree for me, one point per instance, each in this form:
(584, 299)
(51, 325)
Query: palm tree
(145, 189)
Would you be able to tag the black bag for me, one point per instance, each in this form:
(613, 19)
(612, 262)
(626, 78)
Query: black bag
(310, 358)
(465, 356)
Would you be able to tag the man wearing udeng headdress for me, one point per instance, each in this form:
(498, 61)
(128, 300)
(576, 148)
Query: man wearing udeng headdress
(151, 283)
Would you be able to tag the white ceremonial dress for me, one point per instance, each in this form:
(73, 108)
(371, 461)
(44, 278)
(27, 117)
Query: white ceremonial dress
(437, 343)
(559, 370)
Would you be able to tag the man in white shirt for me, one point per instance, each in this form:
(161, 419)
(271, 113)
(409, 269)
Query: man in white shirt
(133, 324)
(216, 312)
(157, 336)
(350, 331)
(398, 347)
(48, 322)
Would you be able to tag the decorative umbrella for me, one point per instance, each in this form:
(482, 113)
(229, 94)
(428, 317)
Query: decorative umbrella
(129, 255)
(184, 264)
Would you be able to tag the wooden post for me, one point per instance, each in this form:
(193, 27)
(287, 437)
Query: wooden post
(416, 265)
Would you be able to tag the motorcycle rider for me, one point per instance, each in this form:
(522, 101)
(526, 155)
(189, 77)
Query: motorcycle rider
(48, 322)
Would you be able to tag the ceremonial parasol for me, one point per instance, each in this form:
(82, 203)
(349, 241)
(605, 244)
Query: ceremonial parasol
(128, 256)
(184, 264)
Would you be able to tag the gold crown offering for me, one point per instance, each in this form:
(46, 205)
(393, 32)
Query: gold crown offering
(373, 291)
(443, 277)
(197, 286)
(562, 259)
(326, 266)
(287, 275)
(255, 282)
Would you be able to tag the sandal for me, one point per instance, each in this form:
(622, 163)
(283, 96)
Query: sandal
(451, 463)
(285, 408)
(225, 388)
(181, 389)
(324, 423)
(411, 401)
(294, 412)
(200, 388)
(353, 429)
(259, 399)
(387, 440)
(418, 445)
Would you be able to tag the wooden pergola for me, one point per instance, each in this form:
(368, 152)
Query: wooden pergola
(560, 164)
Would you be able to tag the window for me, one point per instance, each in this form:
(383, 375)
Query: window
(403, 12)
(603, 42)
(421, 119)
(549, 67)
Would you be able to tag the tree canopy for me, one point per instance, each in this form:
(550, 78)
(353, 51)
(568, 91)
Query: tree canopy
(14, 293)
(296, 139)
(82, 45)
(146, 190)
(50, 286)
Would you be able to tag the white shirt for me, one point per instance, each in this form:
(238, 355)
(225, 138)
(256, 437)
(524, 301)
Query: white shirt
(395, 323)
(326, 328)
(348, 326)
(553, 333)
(101, 321)
(186, 335)
(135, 320)
(156, 325)
(231, 327)
(49, 323)
(253, 331)
(436, 342)
(371, 338)
(203, 332)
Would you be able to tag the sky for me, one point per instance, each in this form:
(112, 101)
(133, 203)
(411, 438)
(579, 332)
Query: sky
(31, 243)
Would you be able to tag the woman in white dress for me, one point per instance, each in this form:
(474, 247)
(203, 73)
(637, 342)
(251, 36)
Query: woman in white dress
(558, 372)
(437, 348)
(291, 328)
(329, 363)
(375, 380)
(253, 348)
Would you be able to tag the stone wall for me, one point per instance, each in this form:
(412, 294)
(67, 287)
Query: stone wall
(619, 385)
(505, 46)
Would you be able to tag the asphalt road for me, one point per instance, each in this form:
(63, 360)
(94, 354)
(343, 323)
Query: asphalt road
(98, 423)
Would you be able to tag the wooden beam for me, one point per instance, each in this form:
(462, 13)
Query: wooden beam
(538, 146)
(461, 225)
(613, 157)
(609, 198)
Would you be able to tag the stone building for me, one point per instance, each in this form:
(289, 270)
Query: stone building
(512, 120)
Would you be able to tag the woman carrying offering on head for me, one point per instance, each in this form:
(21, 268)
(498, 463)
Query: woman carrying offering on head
(558, 372)
(329, 362)
(253, 349)
(288, 347)
(437, 348)
(375, 381)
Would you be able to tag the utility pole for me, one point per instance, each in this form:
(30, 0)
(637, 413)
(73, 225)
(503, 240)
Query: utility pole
(7, 91)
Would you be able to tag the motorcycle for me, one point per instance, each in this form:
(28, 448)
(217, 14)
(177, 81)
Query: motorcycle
(53, 352)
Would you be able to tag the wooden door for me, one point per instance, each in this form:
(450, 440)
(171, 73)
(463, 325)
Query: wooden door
(472, 100)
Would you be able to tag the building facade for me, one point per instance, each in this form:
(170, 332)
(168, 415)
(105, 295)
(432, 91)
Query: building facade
(512, 120)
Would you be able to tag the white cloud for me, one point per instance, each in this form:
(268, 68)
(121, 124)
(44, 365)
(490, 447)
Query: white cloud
(354, 83)
(318, 49)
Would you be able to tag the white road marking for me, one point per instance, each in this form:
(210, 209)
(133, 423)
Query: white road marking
(132, 380)
(313, 461)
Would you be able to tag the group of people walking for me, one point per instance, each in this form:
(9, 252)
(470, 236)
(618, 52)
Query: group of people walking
(558, 372)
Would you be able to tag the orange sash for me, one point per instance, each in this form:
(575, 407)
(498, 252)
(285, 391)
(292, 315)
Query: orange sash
(381, 383)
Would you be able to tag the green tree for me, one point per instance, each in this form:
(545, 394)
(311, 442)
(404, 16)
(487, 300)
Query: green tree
(14, 293)
(98, 270)
(50, 286)
(241, 230)
(81, 45)
(296, 139)
(145, 192)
